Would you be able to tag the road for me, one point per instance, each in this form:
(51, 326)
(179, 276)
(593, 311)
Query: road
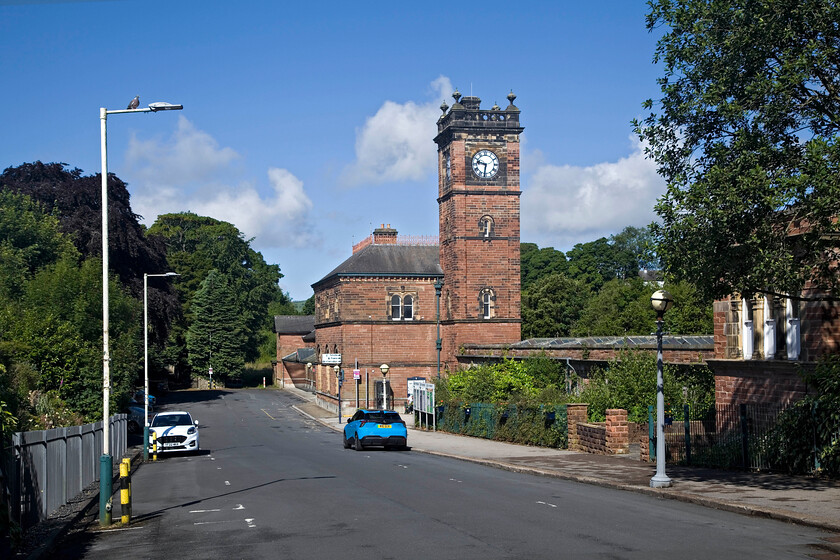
(270, 483)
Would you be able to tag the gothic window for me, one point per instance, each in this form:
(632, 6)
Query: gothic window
(485, 226)
(486, 299)
(408, 308)
(396, 305)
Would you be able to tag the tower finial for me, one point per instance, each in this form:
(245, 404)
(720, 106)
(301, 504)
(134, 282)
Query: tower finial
(457, 95)
(444, 106)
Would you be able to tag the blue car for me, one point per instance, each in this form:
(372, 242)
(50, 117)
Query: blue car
(375, 427)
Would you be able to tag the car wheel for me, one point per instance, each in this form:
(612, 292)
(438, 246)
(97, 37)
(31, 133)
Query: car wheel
(133, 427)
(346, 442)
(358, 443)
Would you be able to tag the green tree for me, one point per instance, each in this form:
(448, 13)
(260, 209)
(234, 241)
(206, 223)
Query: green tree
(198, 244)
(746, 136)
(620, 308)
(215, 337)
(536, 263)
(552, 305)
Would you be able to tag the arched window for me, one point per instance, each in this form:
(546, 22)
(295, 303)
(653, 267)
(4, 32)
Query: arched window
(485, 226)
(408, 308)
(395, 307)
(486, 300)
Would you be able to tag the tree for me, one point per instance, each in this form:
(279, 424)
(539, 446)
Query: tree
(215, 337)
(746, 137)
(552, 305)
(75, 200)
(198, 244)
(620, 308)
(536, 263)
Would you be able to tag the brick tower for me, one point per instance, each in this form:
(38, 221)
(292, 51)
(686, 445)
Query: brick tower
(478, 198)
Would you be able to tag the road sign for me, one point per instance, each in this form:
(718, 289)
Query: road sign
(331, 359)
(357, 374)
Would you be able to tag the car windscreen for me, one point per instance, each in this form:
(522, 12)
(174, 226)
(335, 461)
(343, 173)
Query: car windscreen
(172, 420)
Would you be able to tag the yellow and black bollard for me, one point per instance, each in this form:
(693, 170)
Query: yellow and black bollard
(125, 492)
(127, 461)
(153, 436)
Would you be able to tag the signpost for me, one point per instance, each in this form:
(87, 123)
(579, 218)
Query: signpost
(424, 403)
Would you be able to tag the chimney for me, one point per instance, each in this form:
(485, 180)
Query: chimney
(385, 235)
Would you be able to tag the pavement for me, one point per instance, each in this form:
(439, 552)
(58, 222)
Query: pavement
(805, 500)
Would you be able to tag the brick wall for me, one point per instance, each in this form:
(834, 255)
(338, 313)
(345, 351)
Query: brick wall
(758, 381)
(576, 414)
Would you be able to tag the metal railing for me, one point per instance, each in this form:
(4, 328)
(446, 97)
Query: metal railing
(45, 469)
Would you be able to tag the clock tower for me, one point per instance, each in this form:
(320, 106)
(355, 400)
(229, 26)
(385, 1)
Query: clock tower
(478, 200)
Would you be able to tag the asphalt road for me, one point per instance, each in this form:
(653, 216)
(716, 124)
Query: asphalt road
(269, 483)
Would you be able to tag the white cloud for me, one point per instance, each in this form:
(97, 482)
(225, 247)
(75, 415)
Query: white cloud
(565, 205)
(394, 144)
(191, 172)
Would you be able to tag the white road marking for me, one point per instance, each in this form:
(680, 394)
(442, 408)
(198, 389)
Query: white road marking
(455, 480)
(546, 504)
(214, 522)
(239, 506)
(227, 482)
(122, 529)
(250, 522)
(203, 510)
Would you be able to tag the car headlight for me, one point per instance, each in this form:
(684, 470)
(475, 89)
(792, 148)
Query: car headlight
(191, 431)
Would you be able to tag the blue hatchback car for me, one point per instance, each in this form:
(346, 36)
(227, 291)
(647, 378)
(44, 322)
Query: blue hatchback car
(375, 427)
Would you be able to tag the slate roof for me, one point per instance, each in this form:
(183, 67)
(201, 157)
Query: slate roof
(302, 355)
(294, 324)
(671, 342)
(390, 260)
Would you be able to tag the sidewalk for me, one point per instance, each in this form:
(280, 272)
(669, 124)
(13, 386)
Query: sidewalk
(801, 500)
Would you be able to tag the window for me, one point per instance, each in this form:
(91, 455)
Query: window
(485, 226)
(408, 308)
(396, 305)
(486, 300)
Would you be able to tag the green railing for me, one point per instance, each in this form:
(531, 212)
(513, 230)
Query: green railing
(542, 425)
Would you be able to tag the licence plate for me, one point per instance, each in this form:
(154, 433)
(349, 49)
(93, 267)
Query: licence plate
(172, 444)
(384, 425)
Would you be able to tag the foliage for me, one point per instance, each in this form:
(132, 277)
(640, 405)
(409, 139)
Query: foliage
(810, 428)
(552, 305)
(629, 382)
(621, 307)
(75, 200)
(214, 339)
(196, 245)
(746, 136)
(536, 264)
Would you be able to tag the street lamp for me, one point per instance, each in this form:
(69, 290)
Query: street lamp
(661, 301)
(438, 342)
(105, 463)
(384, 369)
(146, 358)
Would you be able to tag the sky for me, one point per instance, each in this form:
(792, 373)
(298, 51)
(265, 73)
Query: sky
(309, 124)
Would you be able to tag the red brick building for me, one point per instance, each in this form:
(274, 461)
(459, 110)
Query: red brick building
(389, 300)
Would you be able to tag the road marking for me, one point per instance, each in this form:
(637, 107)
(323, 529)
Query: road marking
(267, 414)
(239, 506)
(455, 480)
(546, 504)
(214, 522)
(250, 522)
(227, 482)
(122, 529)
(203, 510)
(403, 466)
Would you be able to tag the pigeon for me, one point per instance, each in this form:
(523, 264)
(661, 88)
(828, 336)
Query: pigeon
(134, 103)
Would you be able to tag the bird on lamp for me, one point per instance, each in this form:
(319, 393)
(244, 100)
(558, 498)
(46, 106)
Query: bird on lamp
(134, 102)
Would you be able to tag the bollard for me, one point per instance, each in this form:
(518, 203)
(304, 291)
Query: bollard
(124, 495)
(127, 461)
(154, 446)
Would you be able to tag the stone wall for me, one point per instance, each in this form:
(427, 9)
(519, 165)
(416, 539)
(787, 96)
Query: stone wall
(604, 438)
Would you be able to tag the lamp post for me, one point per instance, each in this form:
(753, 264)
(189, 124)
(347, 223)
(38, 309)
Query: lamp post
(146, 359)
(661, 302)
(384, 369)
(105, 461)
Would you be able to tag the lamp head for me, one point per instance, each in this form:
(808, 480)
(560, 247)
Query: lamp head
(661, 301)
(384, 369)
(336, 369)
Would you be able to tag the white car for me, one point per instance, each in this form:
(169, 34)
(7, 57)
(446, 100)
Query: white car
(175, 431)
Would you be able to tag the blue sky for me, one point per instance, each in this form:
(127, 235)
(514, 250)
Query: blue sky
(308, 124)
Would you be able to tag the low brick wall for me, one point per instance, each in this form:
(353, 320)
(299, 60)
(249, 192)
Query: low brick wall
(604, 438)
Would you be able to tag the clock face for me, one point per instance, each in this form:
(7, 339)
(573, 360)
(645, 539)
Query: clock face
(485, 164)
